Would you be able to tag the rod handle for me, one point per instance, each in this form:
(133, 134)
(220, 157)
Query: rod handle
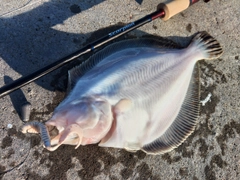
(174, 7)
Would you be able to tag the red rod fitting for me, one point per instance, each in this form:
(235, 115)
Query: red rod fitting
(160, 14)
(193, 2)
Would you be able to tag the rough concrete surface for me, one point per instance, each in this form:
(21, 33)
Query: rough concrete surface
(42, 31)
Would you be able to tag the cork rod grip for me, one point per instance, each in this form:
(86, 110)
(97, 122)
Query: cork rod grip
(173, 8)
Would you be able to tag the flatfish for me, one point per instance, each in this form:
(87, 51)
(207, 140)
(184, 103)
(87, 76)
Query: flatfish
(136, 94)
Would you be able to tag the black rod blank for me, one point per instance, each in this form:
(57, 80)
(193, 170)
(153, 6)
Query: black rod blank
(90, 47)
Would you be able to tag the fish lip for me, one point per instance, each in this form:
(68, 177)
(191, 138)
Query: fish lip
(52, 130)
(52, 147)
(59, 135)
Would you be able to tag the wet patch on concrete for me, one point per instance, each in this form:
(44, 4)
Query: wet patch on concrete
(35, 140)
(166, 157)
(209, 169)
(2, 169)
(227, 132)
(60, 161)
(140, 155)
(183, 171)
(36, 155)
(217, 160)
(184, 149)
(195, 178)
(6, 142)
(209, 173)
(9, 154)
(13, 164)
(129, 162)
(144, 172)
(32, 175)
(14, 133)
(113, 177)
(203, 148)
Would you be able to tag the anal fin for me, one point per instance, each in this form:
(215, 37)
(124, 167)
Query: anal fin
(184, 123)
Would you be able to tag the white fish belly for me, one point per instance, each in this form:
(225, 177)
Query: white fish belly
(157, 87)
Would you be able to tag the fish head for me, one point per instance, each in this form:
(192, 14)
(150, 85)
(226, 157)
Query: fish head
(80, 122)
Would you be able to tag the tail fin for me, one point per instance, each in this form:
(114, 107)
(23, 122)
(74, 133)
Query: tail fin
(207, 44)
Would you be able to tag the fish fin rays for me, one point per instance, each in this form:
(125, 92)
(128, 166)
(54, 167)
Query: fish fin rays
(184, 123)
(209, 45)
(75, 73)
(73, 76)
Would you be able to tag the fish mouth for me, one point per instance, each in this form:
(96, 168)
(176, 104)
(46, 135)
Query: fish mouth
(53, 136)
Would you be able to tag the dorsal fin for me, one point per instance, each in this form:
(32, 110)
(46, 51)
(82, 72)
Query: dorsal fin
(77, 72)
(184, 123)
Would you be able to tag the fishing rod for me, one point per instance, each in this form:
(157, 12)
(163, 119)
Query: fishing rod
(164, 11)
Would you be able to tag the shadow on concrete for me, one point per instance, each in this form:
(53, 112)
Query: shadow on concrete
(28, 41)
(17, 97)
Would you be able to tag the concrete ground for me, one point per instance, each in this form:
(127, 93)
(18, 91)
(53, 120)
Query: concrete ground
(43, 31)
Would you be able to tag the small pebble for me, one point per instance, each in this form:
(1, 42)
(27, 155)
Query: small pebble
(9, 126)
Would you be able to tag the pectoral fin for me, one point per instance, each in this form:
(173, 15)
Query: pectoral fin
(122, 106)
